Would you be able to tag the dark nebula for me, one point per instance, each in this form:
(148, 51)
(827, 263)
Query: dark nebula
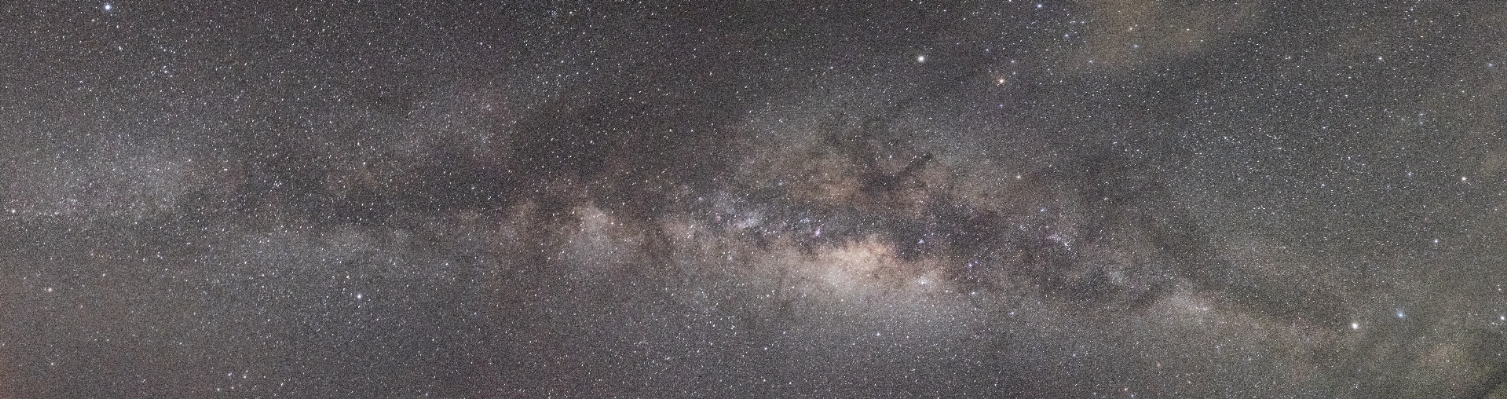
(1121, 199)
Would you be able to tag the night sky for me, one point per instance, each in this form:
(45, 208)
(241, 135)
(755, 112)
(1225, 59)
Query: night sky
(1125, 198)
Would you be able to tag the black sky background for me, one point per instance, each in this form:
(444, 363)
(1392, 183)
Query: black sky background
(756, 199)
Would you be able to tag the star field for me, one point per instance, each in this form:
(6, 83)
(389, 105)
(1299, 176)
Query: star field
(954, 199)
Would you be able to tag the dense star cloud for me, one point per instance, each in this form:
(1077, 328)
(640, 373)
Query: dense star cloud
(1009, 199)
